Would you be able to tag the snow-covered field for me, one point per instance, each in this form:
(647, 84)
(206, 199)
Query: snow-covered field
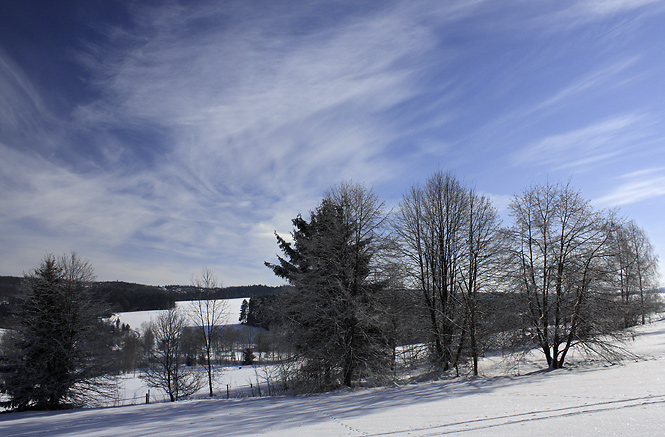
(240, 381)
(588, 398)
(136, 318)
(232, 381)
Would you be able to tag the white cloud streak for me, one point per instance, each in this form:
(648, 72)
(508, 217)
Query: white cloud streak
(636, 187)
(605, 77)
(595, 8)
(583, 12)
(21, 106)
(579, 148)
(248, 105)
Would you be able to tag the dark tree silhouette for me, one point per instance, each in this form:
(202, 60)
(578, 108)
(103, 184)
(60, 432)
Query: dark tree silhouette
(61, 346)
(335, 318)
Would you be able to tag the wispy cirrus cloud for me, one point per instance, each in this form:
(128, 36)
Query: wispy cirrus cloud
(21, 106)
(208, 133)
(592, 144)
(47, 208)
(594, 8)
(238, 105)
(583, 12)
(606, 77)
(636, 187)
(259, 109)
(203, 128)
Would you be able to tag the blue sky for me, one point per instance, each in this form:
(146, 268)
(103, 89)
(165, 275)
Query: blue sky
(158, 138)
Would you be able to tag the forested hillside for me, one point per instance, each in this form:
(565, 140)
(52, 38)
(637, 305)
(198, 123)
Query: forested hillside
(188, 292)
(127, 296)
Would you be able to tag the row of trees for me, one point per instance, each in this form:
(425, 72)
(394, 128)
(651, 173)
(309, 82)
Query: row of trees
(578, 276)
(64, 350)
(440, 271)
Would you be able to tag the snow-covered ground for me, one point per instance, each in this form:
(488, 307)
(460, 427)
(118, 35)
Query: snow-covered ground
(241, 381)
(588, 398)
(232, 381)
(136, 318)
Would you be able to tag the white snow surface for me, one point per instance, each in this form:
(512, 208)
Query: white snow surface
(234, 381)
(136, 318)
(588, 398)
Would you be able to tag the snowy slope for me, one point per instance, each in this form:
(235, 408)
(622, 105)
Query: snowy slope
(136, 318)
(586, 399)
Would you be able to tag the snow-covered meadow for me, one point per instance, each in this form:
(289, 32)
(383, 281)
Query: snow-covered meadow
(234, 381)
(231, 381)
(137, 318)
(586, 398)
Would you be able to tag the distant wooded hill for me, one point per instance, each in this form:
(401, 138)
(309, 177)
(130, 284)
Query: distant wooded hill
(126, 296)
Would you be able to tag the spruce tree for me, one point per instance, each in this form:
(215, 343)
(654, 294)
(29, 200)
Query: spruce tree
(61, 347)
(243, 311)
(335, 318)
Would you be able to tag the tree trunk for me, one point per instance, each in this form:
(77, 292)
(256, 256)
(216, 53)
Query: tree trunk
(209, 371)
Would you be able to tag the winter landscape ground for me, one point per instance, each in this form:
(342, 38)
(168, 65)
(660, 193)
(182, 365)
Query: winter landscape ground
(239, 380)
(589, 397)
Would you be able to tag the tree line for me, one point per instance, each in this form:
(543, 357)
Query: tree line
(363, 277)
(126, 296)
(64, 350)
(370, 292)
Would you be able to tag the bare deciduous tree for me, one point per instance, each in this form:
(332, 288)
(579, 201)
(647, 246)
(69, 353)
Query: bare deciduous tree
(445, 233)
(635, 267)
(478, 273)
(558, 252)
(208, 315)
(166, 369)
